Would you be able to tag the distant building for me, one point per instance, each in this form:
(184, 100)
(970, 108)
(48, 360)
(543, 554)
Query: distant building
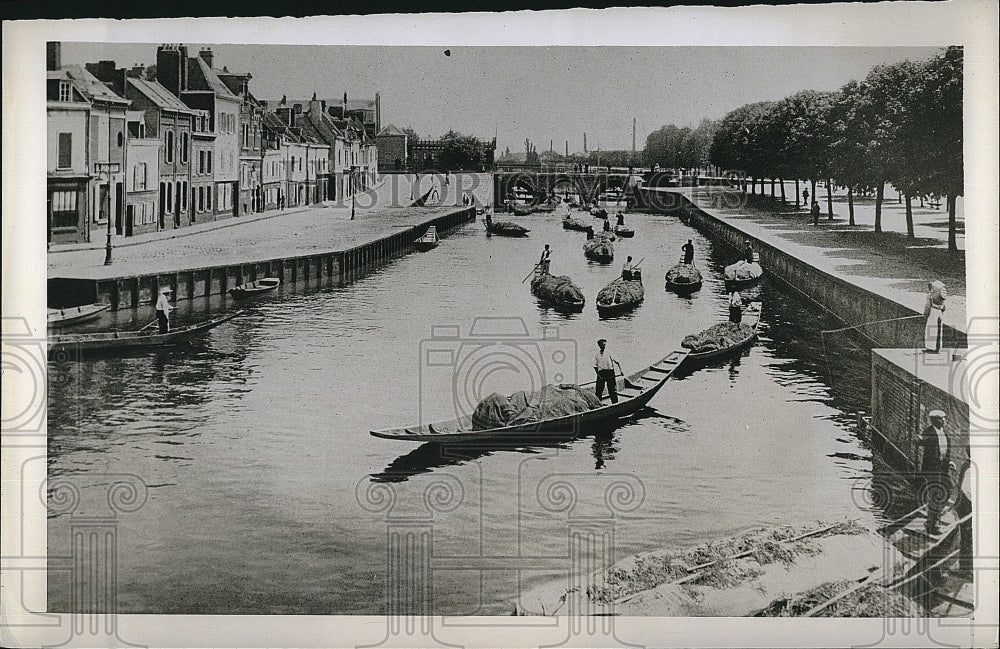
(85, 123)
(142, 174)
(426, 154)
(251, 116)
(392, 148)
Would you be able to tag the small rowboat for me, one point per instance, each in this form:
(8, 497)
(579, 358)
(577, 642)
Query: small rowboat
(684, 279)
(569, 223)
(751, 317)
(623, 231)
(72, 344)
(251, 289)
(621, 295)
(634, 392)
(75, 315)
(429, 241)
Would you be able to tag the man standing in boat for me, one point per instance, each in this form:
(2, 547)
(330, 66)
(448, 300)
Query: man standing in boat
(735, 305)
(163, 309)
(621, 220)
(604, 365)
(748, 251)
(688, 249)
(543, 263)
(627, 270)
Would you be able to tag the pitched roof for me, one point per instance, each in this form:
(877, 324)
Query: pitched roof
(156, 93)
(324, 127)
(391, 130)
(89, 85)
(202, 77)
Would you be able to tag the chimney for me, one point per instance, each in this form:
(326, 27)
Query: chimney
(584, 142)
(345, 104)
(206, 55)
(53, 55)
(106, 73)
(171, 68)
(378, 113)
(315, 107)
(567, 148)
(285, 113)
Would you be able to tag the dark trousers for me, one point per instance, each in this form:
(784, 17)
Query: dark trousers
(607, 377)
(735, 314)
(688, 258)
(161, 317)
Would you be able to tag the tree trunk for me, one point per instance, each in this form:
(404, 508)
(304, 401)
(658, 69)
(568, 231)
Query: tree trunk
(772, 186)
(797, 194)
(781, 183)
(850, 203)
(952, 238)
(899, 197)
(909, 217)
(879, 195)
(812, 195)
(753, 185)
(829, 199)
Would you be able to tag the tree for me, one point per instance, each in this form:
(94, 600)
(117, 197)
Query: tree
(530, 153)
(460, 151)
(802, 130)
(411, 135)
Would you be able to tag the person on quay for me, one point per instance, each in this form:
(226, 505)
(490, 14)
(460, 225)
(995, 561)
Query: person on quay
(748, 251)
(735, 305)
(805, 195)
(621, 219)
(604, 366)
(935, 455)
(543, 263)
(627, 270)
(163, 309)
(814, 212)
(688, 249)
(934, 315)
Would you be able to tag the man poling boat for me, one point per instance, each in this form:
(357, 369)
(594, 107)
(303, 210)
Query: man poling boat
(624, 293)
(557, 291)
(724, 338)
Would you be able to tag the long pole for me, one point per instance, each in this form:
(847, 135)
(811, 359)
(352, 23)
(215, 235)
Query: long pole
(107, 247)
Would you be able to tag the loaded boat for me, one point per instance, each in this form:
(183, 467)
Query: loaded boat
(128, 340)
(743, 273)
(558, 291)
(599, 212)
(429, 241)
(747, 333)
(254, 288)
(599, 249)
(623, 231)
(505, 228)
(75, 315)
(621, 295)
(684, 279)
(569, 223)
(634, 392)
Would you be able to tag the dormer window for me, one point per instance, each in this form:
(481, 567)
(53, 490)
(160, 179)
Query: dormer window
(65, 91)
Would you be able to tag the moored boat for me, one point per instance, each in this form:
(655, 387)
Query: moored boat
(634, 392)
(621, 295)
(743, 273)
(109, 341)
(623, 231)
(599, 249)
(75, 315)
(748, 332)
(558, 291)
(522, 210)
(599, 212)
(684, 279)
(428, 241)
(256, 287)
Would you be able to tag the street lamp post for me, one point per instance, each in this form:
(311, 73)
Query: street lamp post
(354, 190)
(107, 168)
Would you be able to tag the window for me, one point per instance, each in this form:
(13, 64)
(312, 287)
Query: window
(66, 94)
(201, 162)
(208, 199)
(170, 147)
(64, 214)
(170, 196)
(139, 179)
(208, 157)
(121, 139)
(184, 147)
(201, 199)
(65, 151)
(184, 193)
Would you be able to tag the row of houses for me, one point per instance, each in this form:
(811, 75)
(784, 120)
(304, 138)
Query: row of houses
(138, 150)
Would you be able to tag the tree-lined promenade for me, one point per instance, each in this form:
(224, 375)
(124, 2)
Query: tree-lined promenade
(901, 125)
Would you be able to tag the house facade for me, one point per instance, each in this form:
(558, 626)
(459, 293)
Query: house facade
(142, 174)
(249, 188)
(202, 165)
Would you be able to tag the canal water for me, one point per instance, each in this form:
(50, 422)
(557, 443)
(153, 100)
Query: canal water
(264, 492)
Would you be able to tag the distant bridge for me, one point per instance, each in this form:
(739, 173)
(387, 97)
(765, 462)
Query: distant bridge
(538, 183)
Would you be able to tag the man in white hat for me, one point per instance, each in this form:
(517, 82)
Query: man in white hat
(935, 456)
(163, 309)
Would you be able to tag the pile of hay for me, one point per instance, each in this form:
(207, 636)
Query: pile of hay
(621, 291)
(599, 248)
(559, 290)
(550, 402)
(742, 270)
(871, 600)
(718, 336)
(684, 274)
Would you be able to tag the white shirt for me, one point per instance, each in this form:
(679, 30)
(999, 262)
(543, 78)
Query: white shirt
(735, 299)
(942, 443)
(603, 360)
(163, 305)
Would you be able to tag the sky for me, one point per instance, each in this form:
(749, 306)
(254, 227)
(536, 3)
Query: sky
(545, 94)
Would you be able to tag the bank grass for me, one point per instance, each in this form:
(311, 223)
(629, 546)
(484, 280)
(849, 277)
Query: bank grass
(871, 600)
